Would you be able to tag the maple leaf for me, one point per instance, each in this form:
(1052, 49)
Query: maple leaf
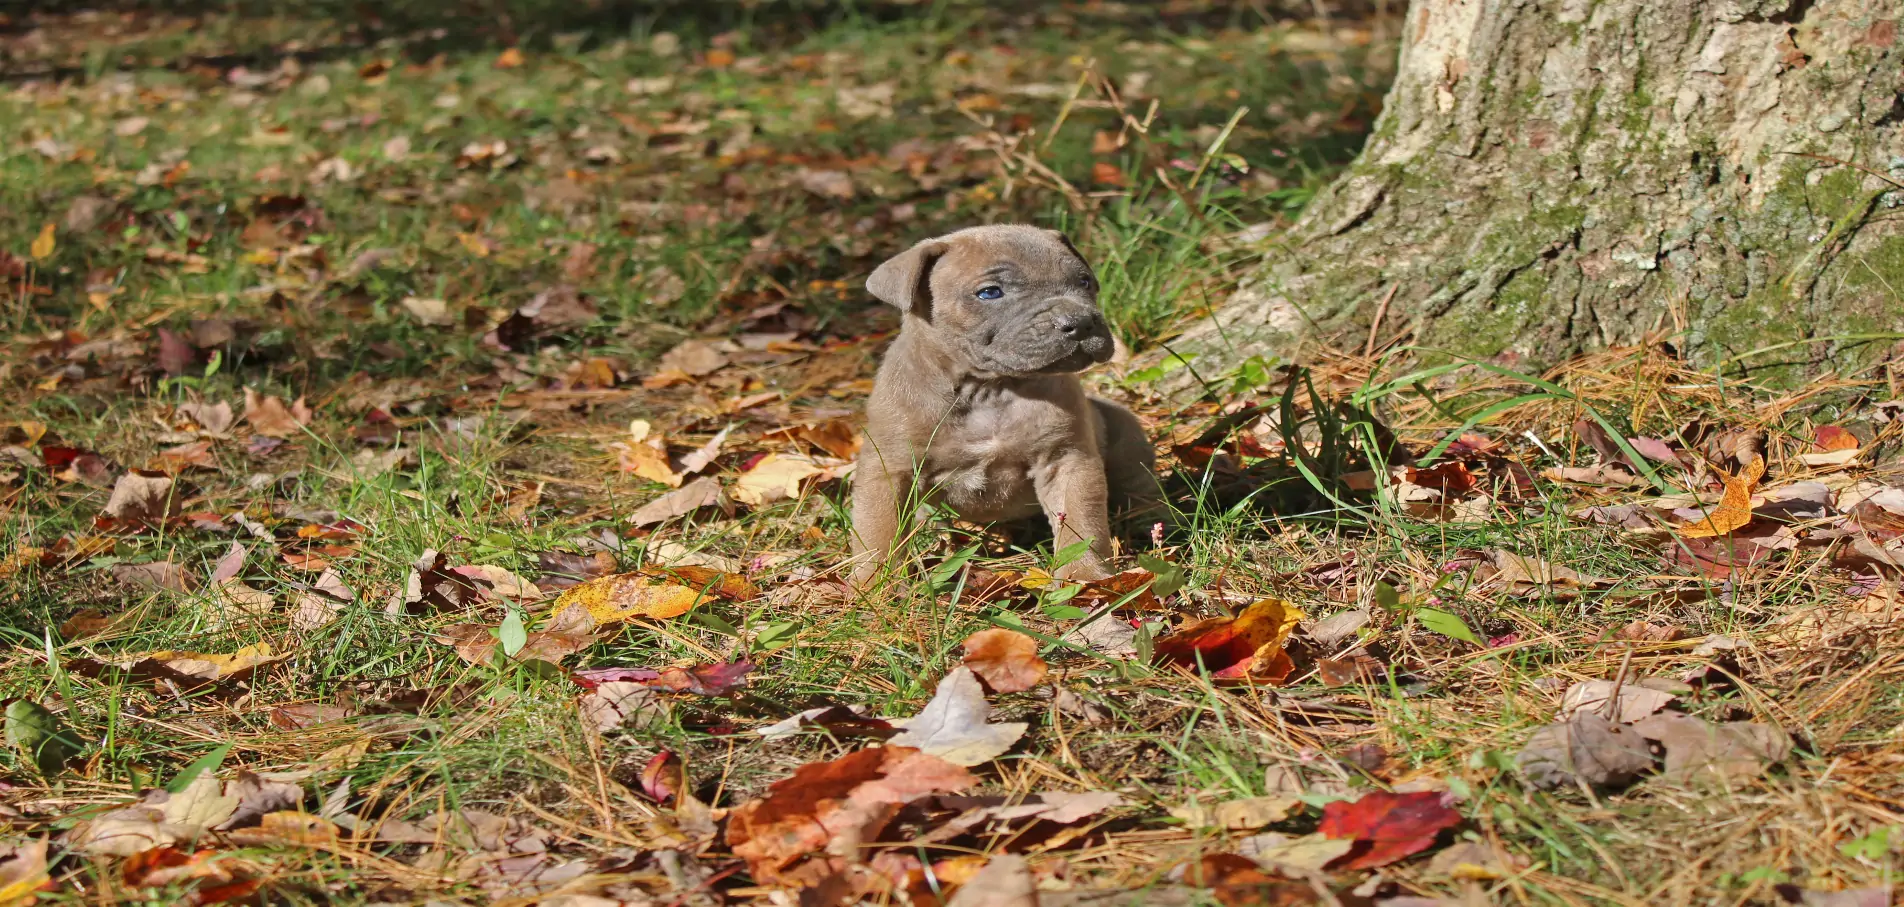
(1006, 660)
(1386, 827)
(1735, 506)
(1248, 647)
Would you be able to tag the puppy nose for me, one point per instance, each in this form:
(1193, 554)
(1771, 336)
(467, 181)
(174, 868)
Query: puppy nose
(1078, 324)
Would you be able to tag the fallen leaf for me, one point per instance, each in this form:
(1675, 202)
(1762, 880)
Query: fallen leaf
(616, 703)
(143, 497)
(1006, 660)
(1301, 855)
(23, 872)
(1636, 701)
(1735, 507)
(429, 311)
(269, 416)
(626, 596)
(836, 720)
(702, 492)
(702, 680)
(212, 418)
(1248, 647)
(1473, 861)
(833, 184)
(706, 454)
(1733, 751)
(693, 358)
(1522, 571)
(154, 575)
(1006, 881)
(1586, 748)
(1829, 438)
(44, 244)
(176, 355)
(561, 570)
(953, 726)
(1237, 881)
(830, 807)
(510, 58)
(775, 477)
(1246, 814)
(1386, 827)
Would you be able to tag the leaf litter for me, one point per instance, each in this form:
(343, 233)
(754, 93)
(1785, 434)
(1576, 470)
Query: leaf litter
(623, 523)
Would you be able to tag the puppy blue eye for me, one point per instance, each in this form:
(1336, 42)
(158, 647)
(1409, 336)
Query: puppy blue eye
(990, 293)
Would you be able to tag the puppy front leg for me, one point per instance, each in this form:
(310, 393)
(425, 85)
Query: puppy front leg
(1075, 499)
(877, 494)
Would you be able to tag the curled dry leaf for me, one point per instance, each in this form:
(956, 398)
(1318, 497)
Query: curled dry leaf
(1238, 881)
(1735, 507)
(1386, 827)
(702, 680)
(1248, 647)
(616, 703)
(1006, 660)
(954, 725)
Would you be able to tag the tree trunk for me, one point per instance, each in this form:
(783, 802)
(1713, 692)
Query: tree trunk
(1550, 176)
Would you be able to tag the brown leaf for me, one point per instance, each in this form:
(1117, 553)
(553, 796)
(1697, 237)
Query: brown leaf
(832, 806)
(155, 575)
(143, 497)
(269, 416)
(176, 355)
(1520, 571)
(1006, 881)
(1237, 881)
(1586, 748)
(702, 492)
(1733, 751)
(562, 570)
(616, 703)
(1006, 660)
(1636, 701)
(693, 358)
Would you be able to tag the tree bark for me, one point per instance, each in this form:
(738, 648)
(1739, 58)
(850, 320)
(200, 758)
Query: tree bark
(1550, 176)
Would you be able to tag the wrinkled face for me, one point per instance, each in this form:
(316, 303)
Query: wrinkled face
(1010, 299)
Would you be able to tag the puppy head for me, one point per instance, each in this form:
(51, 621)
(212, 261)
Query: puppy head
(1007, 299)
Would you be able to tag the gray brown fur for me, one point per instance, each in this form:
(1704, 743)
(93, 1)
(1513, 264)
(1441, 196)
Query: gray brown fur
(978, 404)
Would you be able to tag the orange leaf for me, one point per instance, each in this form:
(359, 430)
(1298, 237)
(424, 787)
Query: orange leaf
(1735, 507)
(1828, 438)
(1248, 647)
(1105, 173)
(1006, 660)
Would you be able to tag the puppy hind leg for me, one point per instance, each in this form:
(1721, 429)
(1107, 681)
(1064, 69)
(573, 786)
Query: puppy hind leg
(1130, 465)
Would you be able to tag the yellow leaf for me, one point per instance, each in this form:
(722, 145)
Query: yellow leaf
(474, 244)
(1735, 507)
(510, 58)
(623, 596)
(43, 244)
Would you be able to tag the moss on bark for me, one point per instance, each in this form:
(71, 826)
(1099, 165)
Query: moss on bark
(1555, 175)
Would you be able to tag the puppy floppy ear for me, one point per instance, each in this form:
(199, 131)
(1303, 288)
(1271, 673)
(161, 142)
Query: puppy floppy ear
(905, 279)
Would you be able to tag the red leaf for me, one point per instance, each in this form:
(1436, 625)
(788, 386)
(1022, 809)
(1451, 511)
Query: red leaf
(702, 680)
(663, 776)
(1246, 647)
(1386, 827)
